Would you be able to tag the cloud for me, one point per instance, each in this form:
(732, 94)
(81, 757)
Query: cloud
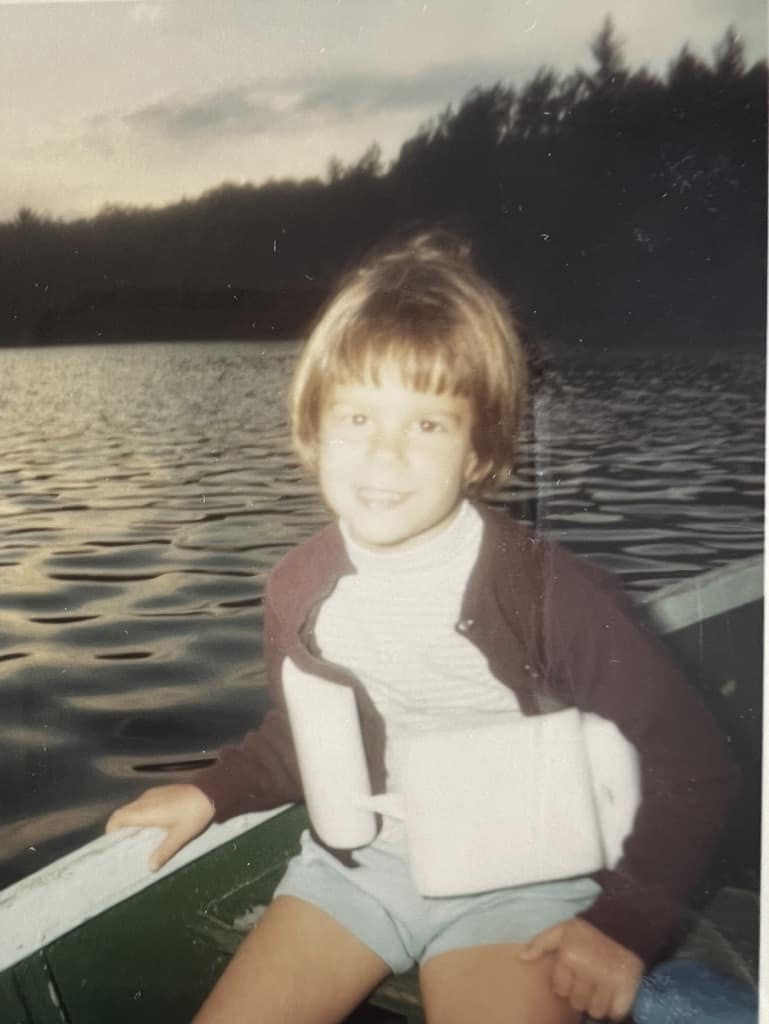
(229, 112)
(290, 105)
(434, 87)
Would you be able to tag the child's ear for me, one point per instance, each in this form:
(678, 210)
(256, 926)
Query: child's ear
(307, 453)
(472, 468)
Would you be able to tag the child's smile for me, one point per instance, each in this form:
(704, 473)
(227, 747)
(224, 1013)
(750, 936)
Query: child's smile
(393, 462)
(376, 497)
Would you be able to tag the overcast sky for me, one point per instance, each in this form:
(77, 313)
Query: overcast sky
(145, 103)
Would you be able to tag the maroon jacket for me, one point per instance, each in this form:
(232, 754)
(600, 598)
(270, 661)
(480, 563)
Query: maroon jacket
(558, 632)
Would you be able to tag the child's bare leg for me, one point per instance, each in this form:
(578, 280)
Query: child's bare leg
(491, 984)
(298, 966)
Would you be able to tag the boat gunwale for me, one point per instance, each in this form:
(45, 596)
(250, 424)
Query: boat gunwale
(701, 597)
(96, 877)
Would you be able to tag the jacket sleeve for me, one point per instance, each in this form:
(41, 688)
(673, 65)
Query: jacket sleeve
(607, 662)
(261, 772)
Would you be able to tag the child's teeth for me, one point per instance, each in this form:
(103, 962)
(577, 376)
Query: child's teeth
(379, 497)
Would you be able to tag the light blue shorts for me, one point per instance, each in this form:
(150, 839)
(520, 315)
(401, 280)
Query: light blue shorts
(378, 903)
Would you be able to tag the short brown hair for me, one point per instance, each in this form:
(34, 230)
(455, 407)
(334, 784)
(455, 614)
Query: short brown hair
(423, 305)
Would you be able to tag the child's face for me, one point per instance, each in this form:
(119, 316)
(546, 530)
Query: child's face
(394, 463)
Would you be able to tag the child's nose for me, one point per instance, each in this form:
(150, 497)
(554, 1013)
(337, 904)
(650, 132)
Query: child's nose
(387, 445)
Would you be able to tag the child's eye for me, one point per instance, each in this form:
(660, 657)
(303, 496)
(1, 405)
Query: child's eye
(429, 426)
(358, 419)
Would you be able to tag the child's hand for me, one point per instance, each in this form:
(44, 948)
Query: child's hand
(183, 810)
(593, 972)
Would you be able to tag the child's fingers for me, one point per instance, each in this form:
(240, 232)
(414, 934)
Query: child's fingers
(589, 969)
(563, 979)
(600, 1003)
(179, 834)
(113, 823)
(622, 1000)
(125, 817)
(143, 810)
(182, 810)
(164, 806)
(581, 993)
(172, 843)
(548, 941)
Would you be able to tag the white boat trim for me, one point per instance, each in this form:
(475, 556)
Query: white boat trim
(93, 879)
(112, 868)
(701, 597)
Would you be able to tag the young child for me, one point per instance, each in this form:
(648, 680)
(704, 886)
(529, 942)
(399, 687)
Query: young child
(434, 610)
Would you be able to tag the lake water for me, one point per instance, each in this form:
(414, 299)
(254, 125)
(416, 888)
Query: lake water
(146, 490)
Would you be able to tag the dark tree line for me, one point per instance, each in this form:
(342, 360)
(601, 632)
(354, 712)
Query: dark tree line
(612, 205)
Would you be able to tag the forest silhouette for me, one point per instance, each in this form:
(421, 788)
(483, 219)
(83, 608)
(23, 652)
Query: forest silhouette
(613, 206)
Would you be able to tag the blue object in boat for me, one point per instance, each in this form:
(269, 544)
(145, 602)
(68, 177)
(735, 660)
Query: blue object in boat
(692, 992)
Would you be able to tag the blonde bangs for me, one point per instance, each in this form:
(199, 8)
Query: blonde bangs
(427, 312)
(423, 364)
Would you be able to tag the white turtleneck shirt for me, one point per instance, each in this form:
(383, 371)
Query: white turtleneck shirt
(393, 624)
